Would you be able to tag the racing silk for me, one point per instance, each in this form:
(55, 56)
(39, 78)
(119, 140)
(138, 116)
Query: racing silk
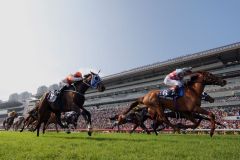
(176, 75)
(71, 79)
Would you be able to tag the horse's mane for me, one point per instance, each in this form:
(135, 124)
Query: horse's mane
(194, 77)
(87, 75)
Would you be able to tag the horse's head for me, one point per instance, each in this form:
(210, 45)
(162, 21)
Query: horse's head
(208, 78)
(94, 81)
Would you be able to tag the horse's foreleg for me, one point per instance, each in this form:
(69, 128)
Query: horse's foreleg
(211, 116)
(38, 127)
(162, 118)
(24, 123)
(89, 121)
(58, 118)
(56, 127)
(155, 126)
(134, 128)
(142, 125)
(192, 119)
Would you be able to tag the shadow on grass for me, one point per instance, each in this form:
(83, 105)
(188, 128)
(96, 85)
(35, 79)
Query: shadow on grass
(102, 138)
(110, 139)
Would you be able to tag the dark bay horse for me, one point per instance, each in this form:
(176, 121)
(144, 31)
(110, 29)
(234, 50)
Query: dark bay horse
(189, 103)
(71, 99)
(8, 121)
(137, 118)
(31, 118)
(18, 122)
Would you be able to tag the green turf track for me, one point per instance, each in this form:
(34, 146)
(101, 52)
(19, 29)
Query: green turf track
(15, 145)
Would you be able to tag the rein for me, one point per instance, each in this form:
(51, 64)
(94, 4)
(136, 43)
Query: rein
(86, 83)
(74, 92)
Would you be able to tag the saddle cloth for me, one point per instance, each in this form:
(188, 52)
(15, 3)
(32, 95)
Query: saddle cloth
(169, 93)
(52, 96)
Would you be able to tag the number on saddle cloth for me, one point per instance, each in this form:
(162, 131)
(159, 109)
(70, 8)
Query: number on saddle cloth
(52, 96)
(170, 93)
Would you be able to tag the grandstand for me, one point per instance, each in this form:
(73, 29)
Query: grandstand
(123, 88)
(128, 85)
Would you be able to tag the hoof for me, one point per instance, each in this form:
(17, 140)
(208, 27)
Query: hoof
(89, 133)
(211, 134)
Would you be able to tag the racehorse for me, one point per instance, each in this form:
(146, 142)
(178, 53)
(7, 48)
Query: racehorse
(136, 117)
(139, 115)
(71, 99)
(8, 121)
(18, 121)
(31, 118)
(71, 118)
(189, 103)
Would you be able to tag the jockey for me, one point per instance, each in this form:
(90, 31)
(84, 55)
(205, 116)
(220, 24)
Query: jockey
(70, 79)
(11, 116)
(175, 78)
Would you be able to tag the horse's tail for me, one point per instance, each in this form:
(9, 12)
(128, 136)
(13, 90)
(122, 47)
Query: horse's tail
(134, 104)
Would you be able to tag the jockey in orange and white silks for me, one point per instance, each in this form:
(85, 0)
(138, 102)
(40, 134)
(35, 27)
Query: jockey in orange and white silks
(175, 78)
(70, 79)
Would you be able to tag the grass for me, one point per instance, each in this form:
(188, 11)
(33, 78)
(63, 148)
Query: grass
(104, 146)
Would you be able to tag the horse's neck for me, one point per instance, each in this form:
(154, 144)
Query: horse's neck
(197, 88)
(82, 87)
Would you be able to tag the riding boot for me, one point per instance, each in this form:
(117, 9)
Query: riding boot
(204, 95)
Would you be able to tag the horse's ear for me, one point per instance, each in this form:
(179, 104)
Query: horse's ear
(99, 71)
(91, 72)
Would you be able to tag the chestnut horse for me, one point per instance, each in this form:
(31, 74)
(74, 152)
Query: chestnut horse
(190, 102)
(71, 99)
(139, 116)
